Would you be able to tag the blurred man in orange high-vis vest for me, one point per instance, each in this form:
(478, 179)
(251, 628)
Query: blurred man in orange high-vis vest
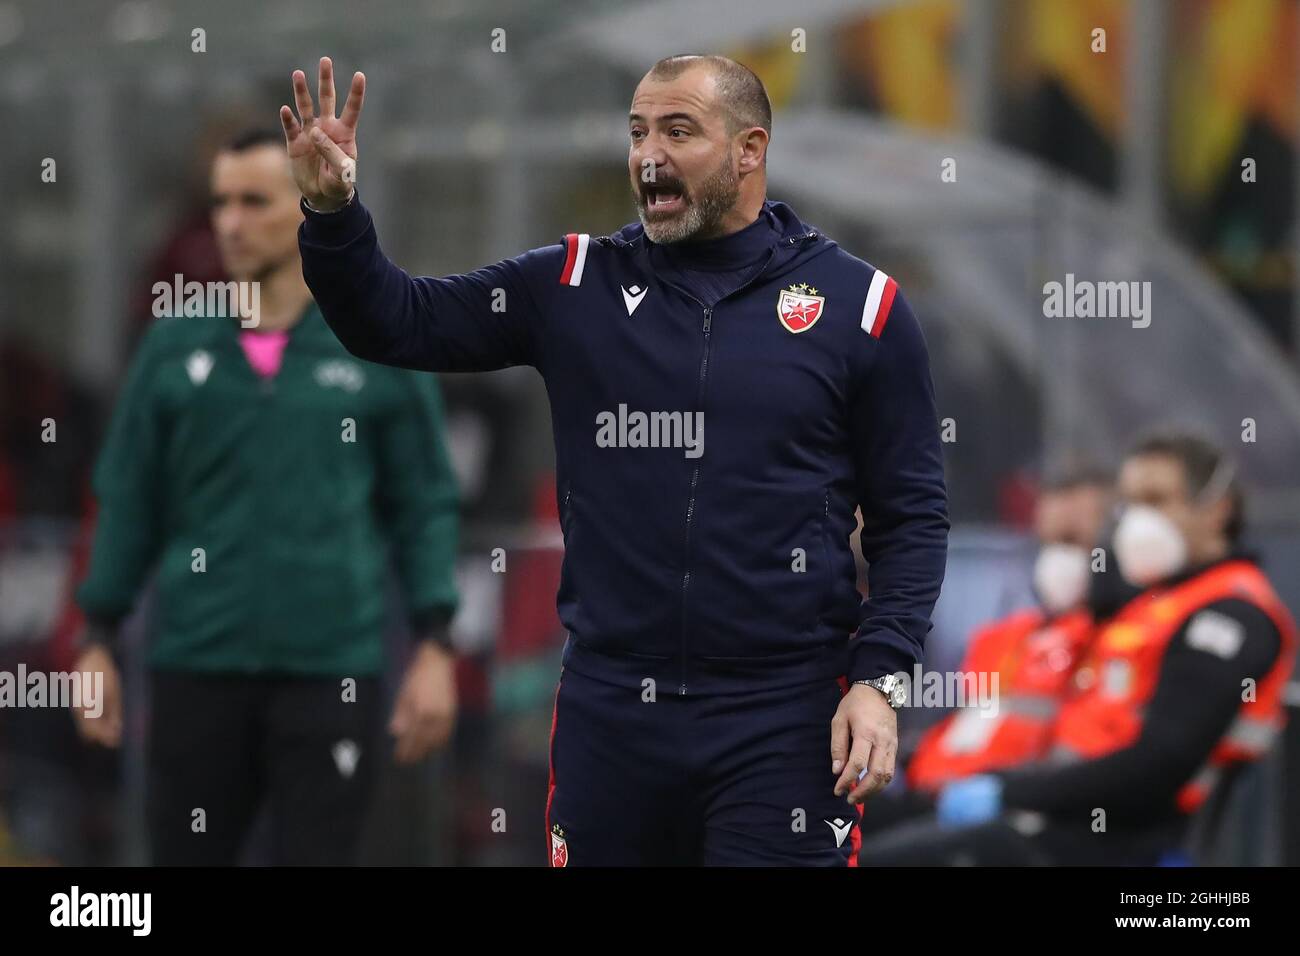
(1033, 650)
(1178, 691)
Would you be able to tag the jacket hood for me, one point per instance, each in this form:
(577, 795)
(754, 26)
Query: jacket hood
(797, 243)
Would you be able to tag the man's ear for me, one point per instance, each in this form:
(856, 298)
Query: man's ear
(753, 148)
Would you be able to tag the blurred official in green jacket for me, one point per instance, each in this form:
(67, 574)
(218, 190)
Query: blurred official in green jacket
(269, 476)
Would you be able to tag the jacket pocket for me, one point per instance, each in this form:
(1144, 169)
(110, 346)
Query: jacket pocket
(771, 594)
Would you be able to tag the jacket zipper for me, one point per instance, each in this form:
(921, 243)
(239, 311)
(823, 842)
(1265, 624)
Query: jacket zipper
(695, 474)
(690, 501)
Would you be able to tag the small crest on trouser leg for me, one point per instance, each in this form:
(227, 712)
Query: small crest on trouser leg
(559, 849)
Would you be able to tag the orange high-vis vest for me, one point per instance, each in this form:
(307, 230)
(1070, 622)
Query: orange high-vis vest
(1119, 674)
(1034, 659)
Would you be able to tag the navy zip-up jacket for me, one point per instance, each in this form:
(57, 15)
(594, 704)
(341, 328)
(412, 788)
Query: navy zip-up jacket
(706, 546)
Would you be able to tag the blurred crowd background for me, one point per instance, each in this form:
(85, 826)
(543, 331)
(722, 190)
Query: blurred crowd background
(1115, 165)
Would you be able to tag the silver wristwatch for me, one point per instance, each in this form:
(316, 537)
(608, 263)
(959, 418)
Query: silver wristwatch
(892, 686)
(329, 212)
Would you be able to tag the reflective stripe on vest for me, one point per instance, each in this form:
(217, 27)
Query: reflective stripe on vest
(1036, 706)
(1252, 736)
(1033, 657)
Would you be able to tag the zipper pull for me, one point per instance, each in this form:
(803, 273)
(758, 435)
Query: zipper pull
(708, 319)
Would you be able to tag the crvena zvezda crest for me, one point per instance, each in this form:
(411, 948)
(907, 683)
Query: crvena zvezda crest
(799, 307)
(559, 848)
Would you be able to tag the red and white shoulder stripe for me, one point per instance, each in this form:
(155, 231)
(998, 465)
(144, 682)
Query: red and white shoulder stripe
(575, 257)
(880, 296)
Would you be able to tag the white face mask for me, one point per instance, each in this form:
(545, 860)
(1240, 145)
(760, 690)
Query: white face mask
(1148, 546)
(1061, 576)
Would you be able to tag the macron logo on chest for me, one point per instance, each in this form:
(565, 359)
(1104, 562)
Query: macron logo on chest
(632, 297)
(575, 261)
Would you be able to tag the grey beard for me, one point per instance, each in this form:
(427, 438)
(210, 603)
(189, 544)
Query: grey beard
(717, 195)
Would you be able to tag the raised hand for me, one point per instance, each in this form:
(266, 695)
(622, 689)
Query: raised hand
(323, 149)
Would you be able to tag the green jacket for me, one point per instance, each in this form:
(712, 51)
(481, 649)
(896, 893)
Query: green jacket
(295, 489)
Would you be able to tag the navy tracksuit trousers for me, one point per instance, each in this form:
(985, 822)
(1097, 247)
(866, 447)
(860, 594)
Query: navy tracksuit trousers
(716, 780)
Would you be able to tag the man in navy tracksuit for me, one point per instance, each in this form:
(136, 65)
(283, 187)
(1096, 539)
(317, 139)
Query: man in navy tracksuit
(727, 387)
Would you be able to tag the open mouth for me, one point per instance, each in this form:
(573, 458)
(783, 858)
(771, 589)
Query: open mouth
(663, 199)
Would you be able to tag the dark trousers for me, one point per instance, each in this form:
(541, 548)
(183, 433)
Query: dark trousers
(723, 780)
(220, 746)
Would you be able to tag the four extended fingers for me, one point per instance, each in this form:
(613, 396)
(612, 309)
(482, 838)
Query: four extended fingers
(306, 108)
